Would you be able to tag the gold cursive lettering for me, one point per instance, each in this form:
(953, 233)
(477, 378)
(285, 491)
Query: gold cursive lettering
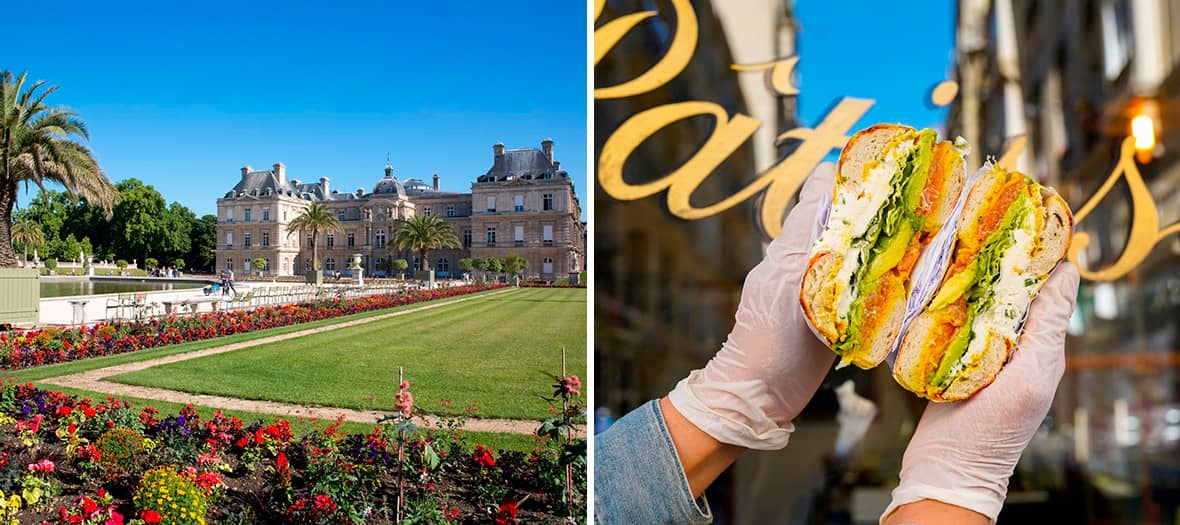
(780, 181)
(779, 77)
(1145, 232)
(674, 61)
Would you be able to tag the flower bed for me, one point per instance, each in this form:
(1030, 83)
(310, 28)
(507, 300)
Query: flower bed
(536, 284)
(65, 460)
(55, 345)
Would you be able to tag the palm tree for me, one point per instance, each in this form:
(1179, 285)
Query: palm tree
(25, 232)
(425, 232)
(41, 144)
(314, 219)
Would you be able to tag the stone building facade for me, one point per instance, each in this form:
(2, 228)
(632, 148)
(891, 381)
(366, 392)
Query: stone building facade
(524, 205)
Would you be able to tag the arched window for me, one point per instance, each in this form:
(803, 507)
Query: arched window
(330, 264)
(547, 265)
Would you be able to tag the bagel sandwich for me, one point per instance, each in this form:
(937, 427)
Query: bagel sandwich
(895, 187)
(1010, 234)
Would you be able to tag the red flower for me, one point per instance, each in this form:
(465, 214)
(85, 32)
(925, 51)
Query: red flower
(88, 506)
(483, 457)
(63, 411)
(150, 516)
(87, 411)
(507, 514)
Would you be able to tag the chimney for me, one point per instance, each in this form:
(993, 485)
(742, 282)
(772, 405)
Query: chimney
(498, 148)
(435, 182)
(281, 173)
(245, 170)
(324, 184)
(547, 148)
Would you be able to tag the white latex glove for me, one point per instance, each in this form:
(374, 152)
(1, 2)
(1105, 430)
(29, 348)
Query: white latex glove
(963, 453)
(771, 364)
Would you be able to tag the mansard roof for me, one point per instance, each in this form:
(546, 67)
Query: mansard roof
(523, 163)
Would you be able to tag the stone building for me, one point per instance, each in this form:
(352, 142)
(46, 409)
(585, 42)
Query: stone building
(524, 205)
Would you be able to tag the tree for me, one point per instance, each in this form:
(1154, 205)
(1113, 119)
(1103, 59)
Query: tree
(40, 144)
(398, 265)
(51, 263)
(203, 242)
(121, 264)
(514, 265)
(425, 232)
(259, 264)
(495, 265)
(481, 264)
(140, 220)
(26, 232)
(466, 264)
(178, 264)
(150, 264)
(315, 219)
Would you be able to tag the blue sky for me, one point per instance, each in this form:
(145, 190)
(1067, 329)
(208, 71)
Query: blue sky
(889, 52)
(182, 94)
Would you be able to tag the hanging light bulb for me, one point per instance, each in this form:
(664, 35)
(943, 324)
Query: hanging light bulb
(1143, 129)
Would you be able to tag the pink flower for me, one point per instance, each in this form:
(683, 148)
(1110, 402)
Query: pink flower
(405, 402)
(405, 385)
(42, 466)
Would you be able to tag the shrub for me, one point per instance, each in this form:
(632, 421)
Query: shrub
(121, 264)
(150, 264)
(399, 265)
(178, 264)
(119, 450)
(167, 495)
(51, 263)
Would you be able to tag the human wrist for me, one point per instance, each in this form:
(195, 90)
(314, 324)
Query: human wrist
(716, 408)
(932, 512)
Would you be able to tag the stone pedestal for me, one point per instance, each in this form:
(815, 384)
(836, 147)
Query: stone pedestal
(315, 277)
(574, 276)
(425, 277)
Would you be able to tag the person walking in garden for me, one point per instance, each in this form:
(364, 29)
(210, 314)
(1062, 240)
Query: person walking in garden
(228, 282)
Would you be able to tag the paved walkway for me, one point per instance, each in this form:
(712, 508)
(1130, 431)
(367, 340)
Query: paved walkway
(95, 380)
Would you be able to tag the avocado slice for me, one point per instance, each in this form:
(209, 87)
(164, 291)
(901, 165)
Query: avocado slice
(955, 287)
(953, 354)
(891, 252)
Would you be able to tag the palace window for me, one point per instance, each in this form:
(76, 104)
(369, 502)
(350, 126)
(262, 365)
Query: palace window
(266, 268)
(351, 240)
(330, 264)
(286, 264)
(518, 235)
(426, 211)
(266, 238)
(331, 240)
(491, 236)
(229, 239)
(491, 203)
(265, 214)
(450, 211)
(547, 202)
(466, 238)
(340, 215)
(246, 239)
(246, 215)
(229, 264)
(379, 239)
(547, 234)
(246, 266)
(518, 203)
(444, 265)
(547, 265)
(284, 215)
(229, 215)
(310, 240)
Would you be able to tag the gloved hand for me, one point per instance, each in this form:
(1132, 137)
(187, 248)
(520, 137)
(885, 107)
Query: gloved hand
(963, 453)
(771, 364)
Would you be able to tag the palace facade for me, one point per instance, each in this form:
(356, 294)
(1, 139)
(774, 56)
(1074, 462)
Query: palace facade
(523, 205)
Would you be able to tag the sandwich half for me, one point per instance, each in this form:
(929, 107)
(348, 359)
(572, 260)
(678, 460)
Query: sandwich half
(1010, 235)
(895, 187)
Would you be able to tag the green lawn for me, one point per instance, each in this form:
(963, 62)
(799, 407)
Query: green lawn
(494, 350)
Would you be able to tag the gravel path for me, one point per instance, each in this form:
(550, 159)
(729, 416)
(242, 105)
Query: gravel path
(95, 380)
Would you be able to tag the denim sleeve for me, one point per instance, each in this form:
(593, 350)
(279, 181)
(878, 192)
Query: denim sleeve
(638, 477)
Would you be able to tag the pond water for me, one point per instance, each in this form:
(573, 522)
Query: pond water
(86, 287)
